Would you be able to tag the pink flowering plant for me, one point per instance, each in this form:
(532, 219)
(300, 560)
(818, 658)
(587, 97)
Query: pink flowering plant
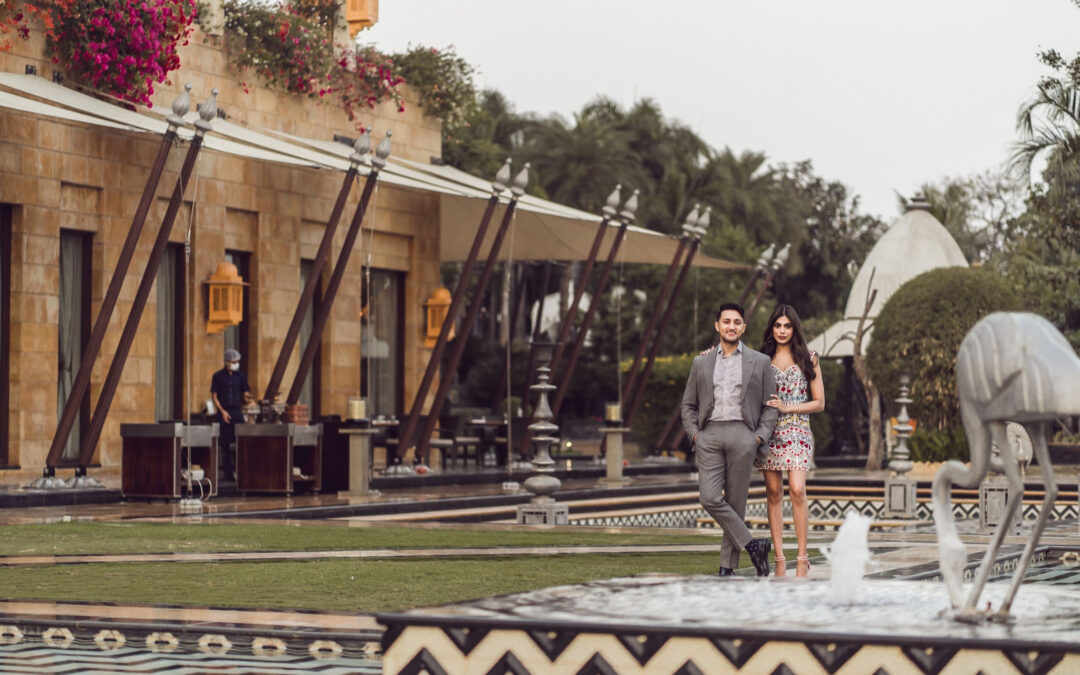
(121, 47)
(366, 80)
(285, 48)
(289, 46)
(12, 20)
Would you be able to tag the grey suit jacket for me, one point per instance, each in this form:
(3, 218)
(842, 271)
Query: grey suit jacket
(758, 384)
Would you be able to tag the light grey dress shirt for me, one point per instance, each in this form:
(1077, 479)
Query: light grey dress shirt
(727, 386)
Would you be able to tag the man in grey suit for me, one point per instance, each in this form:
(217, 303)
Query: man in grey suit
(725, 415)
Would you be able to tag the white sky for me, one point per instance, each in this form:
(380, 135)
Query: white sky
(882, 95)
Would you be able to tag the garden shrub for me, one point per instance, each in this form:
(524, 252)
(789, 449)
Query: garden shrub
(939, 445)
(821, 425)
(663, 391)
(920, 329)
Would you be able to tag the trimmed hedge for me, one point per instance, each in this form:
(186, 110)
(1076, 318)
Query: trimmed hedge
(920, 329)
(664, 390)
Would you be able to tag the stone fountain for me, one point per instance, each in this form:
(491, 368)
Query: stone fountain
(660, 623)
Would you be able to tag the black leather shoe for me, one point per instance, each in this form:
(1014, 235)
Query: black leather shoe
(726, 572)
(759, 555)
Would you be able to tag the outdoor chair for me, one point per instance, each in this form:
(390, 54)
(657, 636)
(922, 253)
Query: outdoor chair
(465, 445)
(440, 438)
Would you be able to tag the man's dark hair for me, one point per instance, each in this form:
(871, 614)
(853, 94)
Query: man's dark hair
(730, 305)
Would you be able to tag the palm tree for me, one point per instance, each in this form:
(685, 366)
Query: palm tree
(578, 164)
(1049, 125)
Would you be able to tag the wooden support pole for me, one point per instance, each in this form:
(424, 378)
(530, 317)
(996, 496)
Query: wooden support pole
(93, 346)
(408, 426)
(610, 210)
(89, 441)
(627, 216)
(360, 150)
(631, 406)
(321, 317)
(520, 181)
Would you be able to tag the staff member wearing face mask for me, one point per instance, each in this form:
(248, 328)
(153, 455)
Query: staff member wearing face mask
(228, 387)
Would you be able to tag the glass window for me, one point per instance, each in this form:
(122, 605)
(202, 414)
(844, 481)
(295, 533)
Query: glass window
(382, 365)
(309, 395)
(169, 362)
(73, 329)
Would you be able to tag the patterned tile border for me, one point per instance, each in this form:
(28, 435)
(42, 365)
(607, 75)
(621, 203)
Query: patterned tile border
(462, 647)
(825, 514)
(26, 643)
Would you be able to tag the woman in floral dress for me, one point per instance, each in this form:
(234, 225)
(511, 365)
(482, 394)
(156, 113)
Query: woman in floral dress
(791, 446)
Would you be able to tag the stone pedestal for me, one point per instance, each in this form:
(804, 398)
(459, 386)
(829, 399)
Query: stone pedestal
(543, 511)
(900, 498)
(994, 493)
(360, 470)
(613, 444)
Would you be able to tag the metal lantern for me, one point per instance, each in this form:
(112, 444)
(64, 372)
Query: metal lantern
(438, 306)
(226, 305)
(361, 14)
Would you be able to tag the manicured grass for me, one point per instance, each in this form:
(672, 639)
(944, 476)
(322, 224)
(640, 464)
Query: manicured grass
(89, 538)
(329, 585)
(334, 585)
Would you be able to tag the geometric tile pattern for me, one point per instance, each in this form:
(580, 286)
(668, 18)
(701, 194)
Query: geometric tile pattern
(825, 513)
(680, 517)
(420, 648)
(56, 649)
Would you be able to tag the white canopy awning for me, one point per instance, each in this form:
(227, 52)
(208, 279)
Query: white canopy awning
(542, 230)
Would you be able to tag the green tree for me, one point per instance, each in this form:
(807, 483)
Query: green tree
(837, 238)
(919, 330)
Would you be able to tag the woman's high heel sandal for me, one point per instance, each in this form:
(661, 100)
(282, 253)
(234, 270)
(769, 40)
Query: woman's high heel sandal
(799, 560)
(781, 566)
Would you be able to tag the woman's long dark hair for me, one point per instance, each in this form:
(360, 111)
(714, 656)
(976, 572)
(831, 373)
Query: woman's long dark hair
(800, 353)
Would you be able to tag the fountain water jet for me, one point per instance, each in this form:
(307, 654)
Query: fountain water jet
(848, 556)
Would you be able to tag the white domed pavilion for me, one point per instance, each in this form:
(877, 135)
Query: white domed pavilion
(917, 242)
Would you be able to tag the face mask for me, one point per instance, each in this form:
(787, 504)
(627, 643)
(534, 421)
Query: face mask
(233, 366)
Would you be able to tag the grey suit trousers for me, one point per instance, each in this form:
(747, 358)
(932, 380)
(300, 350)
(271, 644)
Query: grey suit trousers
(725, 457)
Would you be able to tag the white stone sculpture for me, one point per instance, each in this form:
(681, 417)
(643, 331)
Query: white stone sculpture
(1010, 367)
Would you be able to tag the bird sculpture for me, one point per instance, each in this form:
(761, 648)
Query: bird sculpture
(1011, 367)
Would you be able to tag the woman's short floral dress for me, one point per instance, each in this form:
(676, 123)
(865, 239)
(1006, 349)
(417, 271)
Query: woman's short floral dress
(791, 445)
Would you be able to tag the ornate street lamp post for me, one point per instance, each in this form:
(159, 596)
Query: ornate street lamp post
(900, 488)
(543, 509)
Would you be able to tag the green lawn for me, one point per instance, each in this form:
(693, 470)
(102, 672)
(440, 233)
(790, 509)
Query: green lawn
(333, 585)
(330, 585)
(87, 538)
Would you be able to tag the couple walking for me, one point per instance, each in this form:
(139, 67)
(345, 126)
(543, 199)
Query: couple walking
(744, 408)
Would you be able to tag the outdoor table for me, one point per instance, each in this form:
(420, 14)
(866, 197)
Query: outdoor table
(278, 457)
(153, 457)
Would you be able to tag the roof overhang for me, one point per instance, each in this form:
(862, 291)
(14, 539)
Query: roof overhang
(541, 229)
